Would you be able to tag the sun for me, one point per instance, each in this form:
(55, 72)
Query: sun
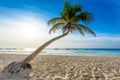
(30, 32)
(32, 29)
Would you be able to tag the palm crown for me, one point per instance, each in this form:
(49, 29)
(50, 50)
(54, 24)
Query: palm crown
(69, 18)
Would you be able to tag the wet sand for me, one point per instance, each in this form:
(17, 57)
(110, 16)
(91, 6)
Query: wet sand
(54, 67)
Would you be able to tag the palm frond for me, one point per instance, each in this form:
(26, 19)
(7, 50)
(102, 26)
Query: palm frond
(85, 28)
(77, 27)
(56, 26)
(64, 29)
(75, 9)
(70, 10)
(81, 31)
(66, 10)
(75, 19)
(71, 29)
(55, 20)
(85, 17)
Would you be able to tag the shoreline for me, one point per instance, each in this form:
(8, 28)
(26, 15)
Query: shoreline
(53, 54)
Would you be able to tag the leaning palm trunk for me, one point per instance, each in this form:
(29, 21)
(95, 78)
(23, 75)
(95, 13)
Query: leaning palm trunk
(37, 51)
(23, 68)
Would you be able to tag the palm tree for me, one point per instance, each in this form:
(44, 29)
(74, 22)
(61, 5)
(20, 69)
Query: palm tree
(68, 21)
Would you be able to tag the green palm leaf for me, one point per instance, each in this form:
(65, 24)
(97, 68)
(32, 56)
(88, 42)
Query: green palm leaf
(56, 26)
(69, 11)
(85, 17)
(85, 28)
(79, 29)
(64, 29)
(55, 20)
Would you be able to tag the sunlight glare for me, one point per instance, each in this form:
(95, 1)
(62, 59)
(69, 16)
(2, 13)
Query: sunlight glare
(30, 30)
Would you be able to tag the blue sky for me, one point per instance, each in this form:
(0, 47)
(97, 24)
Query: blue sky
(17, 16)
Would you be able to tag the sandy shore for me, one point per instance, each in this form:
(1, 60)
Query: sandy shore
(69, 67)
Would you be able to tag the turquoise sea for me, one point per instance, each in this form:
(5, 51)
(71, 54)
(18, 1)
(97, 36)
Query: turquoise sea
(66, 51)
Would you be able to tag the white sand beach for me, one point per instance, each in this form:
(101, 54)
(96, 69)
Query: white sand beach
(55, 67)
